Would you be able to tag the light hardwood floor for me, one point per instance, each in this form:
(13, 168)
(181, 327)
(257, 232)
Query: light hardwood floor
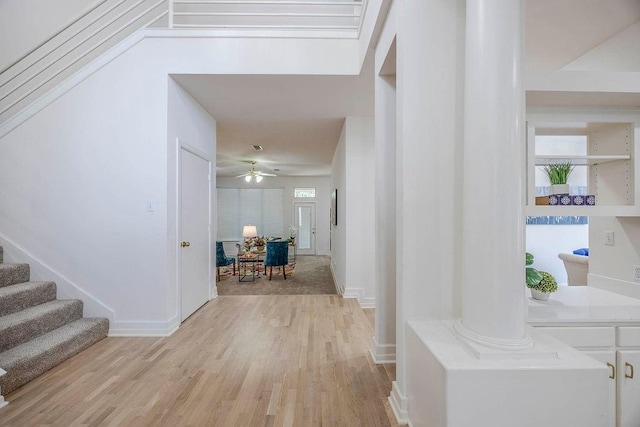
(238, 361)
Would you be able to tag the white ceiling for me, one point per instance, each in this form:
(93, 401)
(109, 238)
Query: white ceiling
(298, 119)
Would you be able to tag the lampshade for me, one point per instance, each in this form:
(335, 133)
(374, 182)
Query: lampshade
(258, 178)
(249, 231)
(247, 178)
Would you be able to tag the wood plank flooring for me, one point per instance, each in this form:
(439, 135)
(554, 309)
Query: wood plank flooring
(238, 361)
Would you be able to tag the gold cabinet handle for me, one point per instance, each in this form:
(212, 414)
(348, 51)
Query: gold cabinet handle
(185, 244)
(613, 371)
(630, 366)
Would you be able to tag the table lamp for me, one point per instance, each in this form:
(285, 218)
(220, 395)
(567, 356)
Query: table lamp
(249, 231)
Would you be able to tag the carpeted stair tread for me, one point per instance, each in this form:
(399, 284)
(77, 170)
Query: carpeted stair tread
(14, 298)
(20, 327)
(10, 274)
(29, 360)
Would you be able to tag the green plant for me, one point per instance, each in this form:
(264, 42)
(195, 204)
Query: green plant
(558, 173)
(547, 284)
(533, 276)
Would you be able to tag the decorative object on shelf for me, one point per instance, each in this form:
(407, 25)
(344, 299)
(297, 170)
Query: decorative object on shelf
(544, 288)
(558, 174)
(292, 233)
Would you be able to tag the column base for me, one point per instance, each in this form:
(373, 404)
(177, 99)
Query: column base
(399, 404)
(550, 384)
(382, 353)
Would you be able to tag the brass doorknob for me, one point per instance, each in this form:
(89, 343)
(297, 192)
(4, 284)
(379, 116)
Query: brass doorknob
(185, 244)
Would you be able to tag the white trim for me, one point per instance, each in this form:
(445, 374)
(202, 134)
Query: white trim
(132, 328)
(367, 302)
(382, 353)
(93, 306)
(623, 287)
(339, 287)
(357, 293)
(399, 404)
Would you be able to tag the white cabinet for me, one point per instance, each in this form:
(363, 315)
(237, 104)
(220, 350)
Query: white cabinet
(609, 156)
(618, 347)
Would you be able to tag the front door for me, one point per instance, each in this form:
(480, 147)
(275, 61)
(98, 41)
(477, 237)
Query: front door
(305, 219)
(194, 233)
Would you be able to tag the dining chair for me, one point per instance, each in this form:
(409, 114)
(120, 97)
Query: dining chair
(277, 255)
(222, 260)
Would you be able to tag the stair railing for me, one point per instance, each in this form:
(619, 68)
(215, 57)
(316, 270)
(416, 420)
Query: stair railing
(72, 47)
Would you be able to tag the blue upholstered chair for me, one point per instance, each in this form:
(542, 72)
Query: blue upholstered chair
(222, 260)
(277, 255)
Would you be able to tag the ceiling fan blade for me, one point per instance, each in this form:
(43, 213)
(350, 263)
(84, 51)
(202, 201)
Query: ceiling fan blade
(240, 176)
(266, 174)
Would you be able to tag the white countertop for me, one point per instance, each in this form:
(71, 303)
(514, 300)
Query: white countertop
(581, 305)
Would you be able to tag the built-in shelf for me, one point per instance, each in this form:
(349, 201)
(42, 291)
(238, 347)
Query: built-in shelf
(591, 160)
(611, 210)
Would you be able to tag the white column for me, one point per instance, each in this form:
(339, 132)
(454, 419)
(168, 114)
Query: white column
(493, 305)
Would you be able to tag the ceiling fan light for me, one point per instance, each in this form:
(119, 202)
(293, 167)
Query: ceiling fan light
(258, 178)
(247, 178)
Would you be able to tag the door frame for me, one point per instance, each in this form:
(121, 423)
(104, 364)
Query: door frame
(213, 290)
(315, 224)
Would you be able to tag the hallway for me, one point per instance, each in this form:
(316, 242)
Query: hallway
(238, 361)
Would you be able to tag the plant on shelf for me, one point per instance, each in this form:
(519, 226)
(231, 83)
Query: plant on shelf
(533, 276)
(540, 283)
(292, 234)
(558, 174)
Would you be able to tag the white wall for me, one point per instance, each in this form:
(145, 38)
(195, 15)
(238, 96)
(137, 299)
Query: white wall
(78, 174)
(353, 239)
(189, 126)
(612, 267)
(545, 242)
(27, 23)
(322, 200)
(359, 214)
(339, 256)
(619, 53)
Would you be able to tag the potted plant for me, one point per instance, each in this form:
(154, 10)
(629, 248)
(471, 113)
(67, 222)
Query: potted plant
(558, 174)
(540, 283)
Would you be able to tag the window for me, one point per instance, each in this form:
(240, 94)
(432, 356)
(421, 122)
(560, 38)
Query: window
(263, 208)
(304, 192)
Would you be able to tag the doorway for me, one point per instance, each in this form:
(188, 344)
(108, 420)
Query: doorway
(305, 221)
(195, 256)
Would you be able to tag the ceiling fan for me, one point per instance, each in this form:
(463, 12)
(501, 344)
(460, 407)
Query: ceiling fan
(254, 174)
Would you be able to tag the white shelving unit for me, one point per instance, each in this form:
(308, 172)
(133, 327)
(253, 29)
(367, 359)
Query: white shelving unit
(613, 144)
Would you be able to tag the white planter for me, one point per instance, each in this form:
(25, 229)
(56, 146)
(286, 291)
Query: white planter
(559, 189)
(541, 296)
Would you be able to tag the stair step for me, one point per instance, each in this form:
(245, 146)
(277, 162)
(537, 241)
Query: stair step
(31, 359)
(10, 274)
(14, 298)
(25, 325)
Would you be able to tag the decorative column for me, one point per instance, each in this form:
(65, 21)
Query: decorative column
(493, 305)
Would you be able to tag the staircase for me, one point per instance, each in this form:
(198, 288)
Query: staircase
(38, 331)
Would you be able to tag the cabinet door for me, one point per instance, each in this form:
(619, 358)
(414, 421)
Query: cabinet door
(608, 357)
(628, 392)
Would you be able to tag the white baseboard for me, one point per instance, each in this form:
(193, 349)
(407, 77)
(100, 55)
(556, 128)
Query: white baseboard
(357, 293)
(339, 286)
(623, 287)
(367, 302)
(126, 328)
(382, 353)
(66, 289)
(399, 404)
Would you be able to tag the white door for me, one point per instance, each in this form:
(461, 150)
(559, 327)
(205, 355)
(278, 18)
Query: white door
(305, 219)
(608, 357)
(195, 258)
